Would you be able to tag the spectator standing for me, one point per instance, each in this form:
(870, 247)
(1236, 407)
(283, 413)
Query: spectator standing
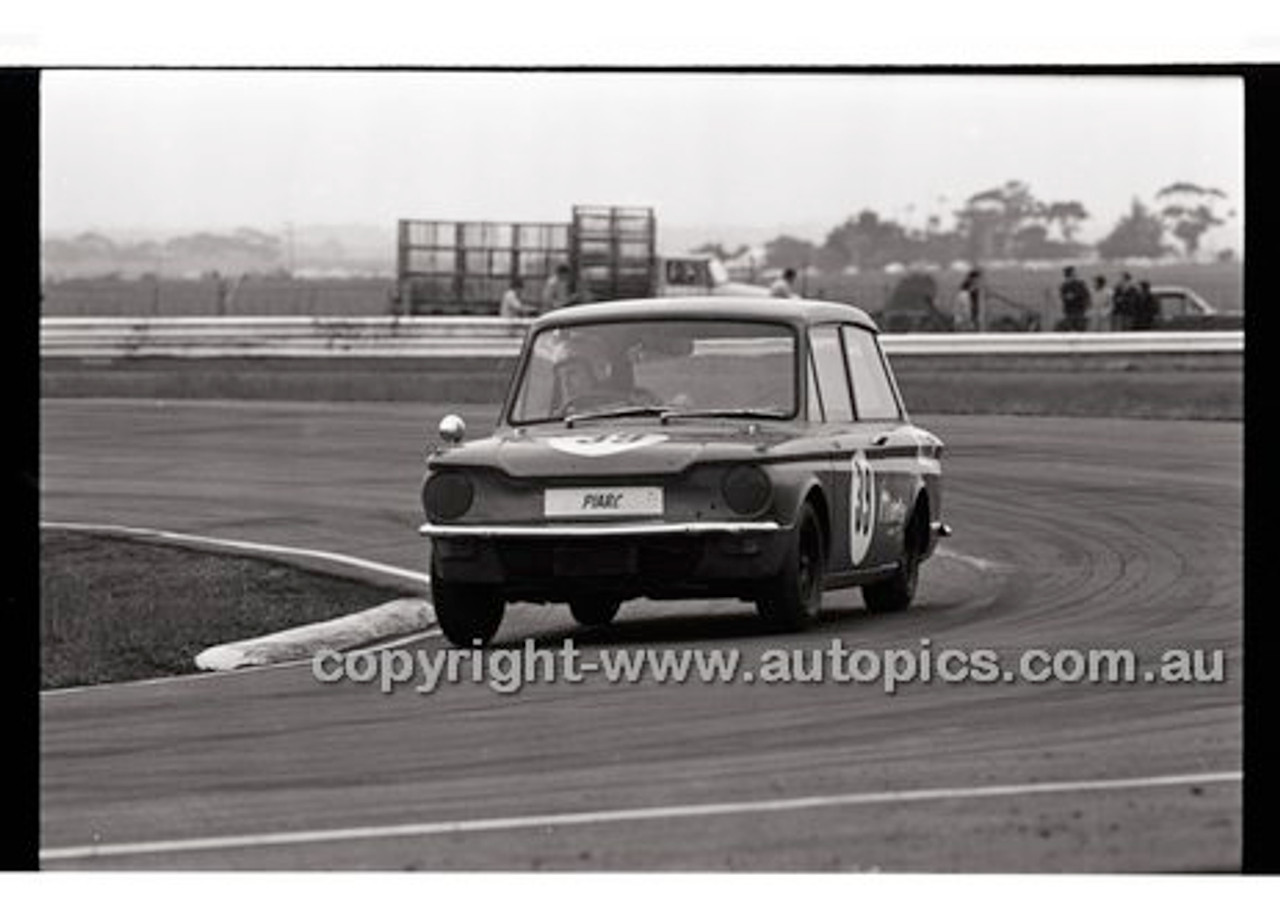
(1123, 301)
(581, 292)
(1101, 304)
(1075, 301)
(962, 309)
(513, 304)
(558, 291)
(966, 308)
(221, 293)
(785, 285)
(1146, 307)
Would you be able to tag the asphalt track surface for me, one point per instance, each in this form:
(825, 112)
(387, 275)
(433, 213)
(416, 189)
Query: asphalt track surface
(1070, 534)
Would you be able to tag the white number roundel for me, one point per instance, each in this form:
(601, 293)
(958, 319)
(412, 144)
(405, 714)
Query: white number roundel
(862, 507)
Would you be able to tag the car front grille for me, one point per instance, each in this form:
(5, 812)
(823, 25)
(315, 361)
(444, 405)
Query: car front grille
(649, 559)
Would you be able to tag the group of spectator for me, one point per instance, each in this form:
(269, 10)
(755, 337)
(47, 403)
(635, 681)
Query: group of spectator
(558, 291)
(1127, 306)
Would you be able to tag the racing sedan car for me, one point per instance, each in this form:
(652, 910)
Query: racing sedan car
(677, 448)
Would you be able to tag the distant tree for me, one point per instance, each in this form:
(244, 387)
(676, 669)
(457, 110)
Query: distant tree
(1031, 242)
(941, 248)
(94, 244)
(978, 223)
(784, 251)
(838, 250)
(245, 250)
(1067, 215)
(1188, 212)
(144, 251)
(864, 241)
(1138, 233)
(991, 219)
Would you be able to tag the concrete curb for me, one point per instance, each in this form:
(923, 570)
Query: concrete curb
(394, 618)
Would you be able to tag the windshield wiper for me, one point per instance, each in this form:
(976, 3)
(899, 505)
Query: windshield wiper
(617, 412)
(725, 413)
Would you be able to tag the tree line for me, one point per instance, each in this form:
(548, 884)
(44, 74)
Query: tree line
(244, 250)
(1006, 223)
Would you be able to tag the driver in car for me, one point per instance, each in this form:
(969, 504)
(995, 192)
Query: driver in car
(588, 378)
(577, 379)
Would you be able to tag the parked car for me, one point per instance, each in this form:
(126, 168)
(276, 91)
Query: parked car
(1183, 308)
(742, 447)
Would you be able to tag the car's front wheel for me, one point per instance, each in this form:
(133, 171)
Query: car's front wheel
(897, 592)
(468, 615)
(793, 597)
(594, 611)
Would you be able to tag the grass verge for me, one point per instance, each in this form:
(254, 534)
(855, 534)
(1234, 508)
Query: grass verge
(113, 609)
(1206, 395)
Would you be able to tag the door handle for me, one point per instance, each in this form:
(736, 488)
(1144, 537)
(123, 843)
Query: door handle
(880, 440)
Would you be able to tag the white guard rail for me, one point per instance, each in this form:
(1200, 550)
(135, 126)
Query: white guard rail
(495, 337)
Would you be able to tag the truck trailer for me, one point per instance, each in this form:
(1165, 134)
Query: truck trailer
(463, 267)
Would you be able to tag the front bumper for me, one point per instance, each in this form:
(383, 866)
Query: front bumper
(630, 529)
(557, 562)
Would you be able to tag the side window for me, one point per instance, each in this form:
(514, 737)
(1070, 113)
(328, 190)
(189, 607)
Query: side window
(824, 342)
(685, 272)
(872, 391)
(1172, 305)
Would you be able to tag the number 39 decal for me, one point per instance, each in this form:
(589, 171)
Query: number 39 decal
(862, 507)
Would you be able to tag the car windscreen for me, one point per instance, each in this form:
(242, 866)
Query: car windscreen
(730, 366)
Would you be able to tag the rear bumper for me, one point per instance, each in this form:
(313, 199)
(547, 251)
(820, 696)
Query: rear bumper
(624, 560)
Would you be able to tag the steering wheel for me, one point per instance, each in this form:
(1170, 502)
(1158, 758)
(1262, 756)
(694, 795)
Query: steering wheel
(595, 399)
(592, 399)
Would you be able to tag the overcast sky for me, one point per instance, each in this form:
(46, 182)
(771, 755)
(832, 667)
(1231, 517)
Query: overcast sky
(220, 149)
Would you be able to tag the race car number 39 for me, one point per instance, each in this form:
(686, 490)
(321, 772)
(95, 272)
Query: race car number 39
(862, 507)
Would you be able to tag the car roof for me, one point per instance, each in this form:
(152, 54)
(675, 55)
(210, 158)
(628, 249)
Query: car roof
(796, 311)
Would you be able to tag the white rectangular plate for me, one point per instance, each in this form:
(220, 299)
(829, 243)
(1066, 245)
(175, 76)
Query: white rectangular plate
(602, 501)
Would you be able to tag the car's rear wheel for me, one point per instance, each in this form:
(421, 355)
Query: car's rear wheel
(793, 597)
(468, 615)
(594, 611)
(898, 591)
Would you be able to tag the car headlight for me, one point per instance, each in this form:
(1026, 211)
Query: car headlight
(446, 496)
(747, 489)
